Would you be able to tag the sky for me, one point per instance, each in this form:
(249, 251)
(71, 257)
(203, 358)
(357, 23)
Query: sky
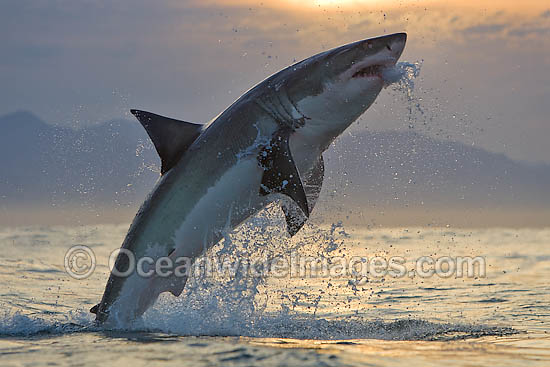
(483, 80)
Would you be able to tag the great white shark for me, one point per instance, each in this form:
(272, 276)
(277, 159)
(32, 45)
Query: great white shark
(268, 143)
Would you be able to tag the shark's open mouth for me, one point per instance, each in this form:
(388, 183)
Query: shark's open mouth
(369, 71)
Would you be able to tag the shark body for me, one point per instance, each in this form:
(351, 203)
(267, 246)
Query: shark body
(267, 143)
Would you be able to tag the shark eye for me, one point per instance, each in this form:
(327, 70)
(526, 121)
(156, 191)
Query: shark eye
(388, 47)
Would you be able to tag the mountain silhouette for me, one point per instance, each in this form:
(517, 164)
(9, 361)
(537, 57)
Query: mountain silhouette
(45, 164)
(114, 163)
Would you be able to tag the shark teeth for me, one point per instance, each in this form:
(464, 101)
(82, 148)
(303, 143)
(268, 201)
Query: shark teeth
(372, 70)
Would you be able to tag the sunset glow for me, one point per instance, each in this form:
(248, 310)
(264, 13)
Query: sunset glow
(524, 7)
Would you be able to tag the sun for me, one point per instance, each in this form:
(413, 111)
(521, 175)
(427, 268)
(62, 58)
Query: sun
(333, 3)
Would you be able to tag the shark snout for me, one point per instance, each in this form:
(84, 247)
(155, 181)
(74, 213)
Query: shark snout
(390, 47)
(395, 43)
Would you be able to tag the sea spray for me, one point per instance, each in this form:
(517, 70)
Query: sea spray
(401, 78)
(287, 308)
(236, 304)
(235, 301)
(14, 322)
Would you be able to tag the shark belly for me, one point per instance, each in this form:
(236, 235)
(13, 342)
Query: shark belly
(226, 204)
(232, 199)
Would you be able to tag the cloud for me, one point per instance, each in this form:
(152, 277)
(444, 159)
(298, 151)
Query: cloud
(483, 29)
(529, 31)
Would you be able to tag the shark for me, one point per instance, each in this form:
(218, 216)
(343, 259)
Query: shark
(265, 147)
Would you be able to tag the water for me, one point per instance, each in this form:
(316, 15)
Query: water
(348, 318)
(238, 319)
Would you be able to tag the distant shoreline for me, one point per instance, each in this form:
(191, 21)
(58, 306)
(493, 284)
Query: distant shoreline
(457, 217)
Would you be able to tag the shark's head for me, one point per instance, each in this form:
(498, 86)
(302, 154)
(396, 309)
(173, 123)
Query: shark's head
(332, 89)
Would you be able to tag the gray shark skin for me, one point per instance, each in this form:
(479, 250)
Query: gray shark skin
(268, 143)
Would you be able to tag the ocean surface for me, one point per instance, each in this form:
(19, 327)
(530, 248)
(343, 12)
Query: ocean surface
(498, 318)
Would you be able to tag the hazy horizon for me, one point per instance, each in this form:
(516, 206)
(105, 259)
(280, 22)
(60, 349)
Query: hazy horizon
(102, 173)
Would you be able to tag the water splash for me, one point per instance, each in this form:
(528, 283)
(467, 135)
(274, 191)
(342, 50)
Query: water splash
(237, 304)
(224, 303)
(282, 325)
(402, 76)
(15, 323)
(402, 79)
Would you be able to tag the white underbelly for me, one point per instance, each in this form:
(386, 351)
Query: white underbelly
(231, 200)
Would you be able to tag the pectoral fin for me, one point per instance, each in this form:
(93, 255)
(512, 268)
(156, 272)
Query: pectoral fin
(295, 219)
(173, 284)
(280, 172)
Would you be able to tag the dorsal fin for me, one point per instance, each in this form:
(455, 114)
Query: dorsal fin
(171, 137)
